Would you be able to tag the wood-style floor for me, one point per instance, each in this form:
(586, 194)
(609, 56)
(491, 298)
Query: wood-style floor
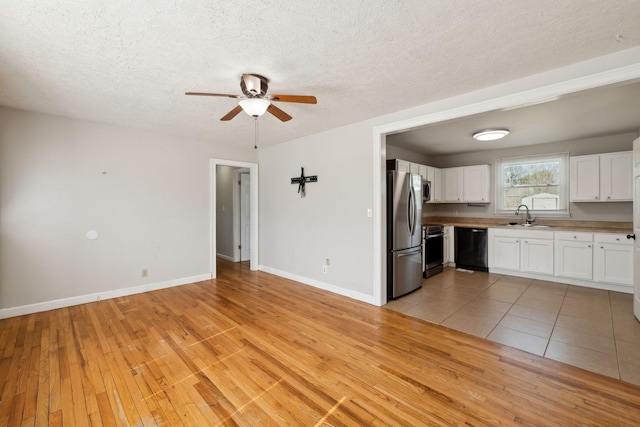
(253, 349)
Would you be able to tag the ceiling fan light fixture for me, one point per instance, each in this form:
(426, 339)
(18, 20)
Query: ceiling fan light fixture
(255, 107)
(490, 134)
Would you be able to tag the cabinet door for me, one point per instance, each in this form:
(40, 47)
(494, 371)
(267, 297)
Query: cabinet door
(506, 253)
(403, 166)
(537, 256)
(476, 184)
(574, 259)
(436, 185)
(616, 176)
(453, 185)
(447, 243)
(613, 263)
(424, 172)
(449, 251)
(584, 179)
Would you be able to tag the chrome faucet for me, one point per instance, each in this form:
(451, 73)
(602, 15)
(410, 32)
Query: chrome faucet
(528, 220)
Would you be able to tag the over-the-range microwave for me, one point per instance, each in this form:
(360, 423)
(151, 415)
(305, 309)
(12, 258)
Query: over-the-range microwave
(426, 190)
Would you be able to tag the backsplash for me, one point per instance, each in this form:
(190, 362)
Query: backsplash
(614, 226)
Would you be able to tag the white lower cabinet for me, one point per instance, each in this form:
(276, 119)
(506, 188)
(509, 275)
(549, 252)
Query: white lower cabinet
(537, 255)
(449, 251)
(613, 259)
(526, 251)
(506, 253)
(574, 255)
(597, 260)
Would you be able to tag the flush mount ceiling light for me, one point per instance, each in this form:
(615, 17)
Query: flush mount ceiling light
(255, 107)
(490, 134)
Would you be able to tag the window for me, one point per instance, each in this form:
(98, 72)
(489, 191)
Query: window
(540, 182)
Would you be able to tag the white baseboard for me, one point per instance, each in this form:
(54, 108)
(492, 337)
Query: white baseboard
(320, 285)
(628, 289)
(227, 257)
(99, 296)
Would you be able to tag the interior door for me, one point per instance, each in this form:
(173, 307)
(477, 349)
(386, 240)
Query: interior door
(636, 228)
(245, 217)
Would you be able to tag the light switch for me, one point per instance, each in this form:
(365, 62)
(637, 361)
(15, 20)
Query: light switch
(369, 212)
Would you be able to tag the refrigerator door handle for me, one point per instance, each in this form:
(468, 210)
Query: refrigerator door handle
(412, 210)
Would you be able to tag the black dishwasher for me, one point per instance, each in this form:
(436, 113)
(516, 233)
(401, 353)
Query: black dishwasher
(471, 248)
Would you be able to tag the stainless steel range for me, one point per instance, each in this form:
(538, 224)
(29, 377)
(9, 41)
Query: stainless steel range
(433, 249)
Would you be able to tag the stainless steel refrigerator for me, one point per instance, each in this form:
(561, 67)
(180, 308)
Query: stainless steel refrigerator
(404, 233)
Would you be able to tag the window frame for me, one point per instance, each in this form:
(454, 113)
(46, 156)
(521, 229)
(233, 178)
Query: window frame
(563, 183)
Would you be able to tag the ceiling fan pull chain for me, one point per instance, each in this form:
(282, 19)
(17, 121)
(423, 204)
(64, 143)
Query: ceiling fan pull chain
(255, 143)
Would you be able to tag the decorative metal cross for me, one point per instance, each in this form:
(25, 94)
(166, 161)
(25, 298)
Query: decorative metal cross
(302, 180)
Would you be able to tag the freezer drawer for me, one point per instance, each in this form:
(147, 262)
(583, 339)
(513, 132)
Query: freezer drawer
(406, 272)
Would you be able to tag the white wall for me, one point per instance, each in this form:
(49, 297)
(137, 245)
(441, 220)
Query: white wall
(298, 234)
(147, 194)
(225, 185)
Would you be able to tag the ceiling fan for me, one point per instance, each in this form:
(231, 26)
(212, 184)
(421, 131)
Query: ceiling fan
(255, 101)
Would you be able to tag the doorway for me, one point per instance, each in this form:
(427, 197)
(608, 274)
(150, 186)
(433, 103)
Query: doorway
(250, 170)
(444, 112)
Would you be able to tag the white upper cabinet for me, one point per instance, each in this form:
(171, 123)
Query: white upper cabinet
(616, 176)
(403, 166)
(436, 186)
(584, 178)
(476, 183)
(468, 184)
(424, 172)
(453, 184)
(601, 177)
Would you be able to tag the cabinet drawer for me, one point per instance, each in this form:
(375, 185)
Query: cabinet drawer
(620, 239)
(522, 233)
(574, 237)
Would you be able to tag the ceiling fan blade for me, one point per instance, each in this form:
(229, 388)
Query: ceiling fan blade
(226, 95)
(279, 113)
(231, 114)
(302, 99)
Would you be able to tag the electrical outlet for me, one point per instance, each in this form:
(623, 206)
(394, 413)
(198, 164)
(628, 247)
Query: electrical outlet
(145, 273)
(324, 269)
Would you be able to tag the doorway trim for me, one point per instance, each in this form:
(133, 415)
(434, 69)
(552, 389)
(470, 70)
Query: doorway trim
(237, 213)
(253, 171)
(617, 75)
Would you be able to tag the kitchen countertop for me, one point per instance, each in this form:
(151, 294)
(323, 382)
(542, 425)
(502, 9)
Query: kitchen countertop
(551, 225)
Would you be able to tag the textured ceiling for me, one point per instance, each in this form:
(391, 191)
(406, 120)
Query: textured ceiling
(130, 63)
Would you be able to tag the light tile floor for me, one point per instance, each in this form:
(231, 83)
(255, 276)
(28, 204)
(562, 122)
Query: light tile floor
(590, 328)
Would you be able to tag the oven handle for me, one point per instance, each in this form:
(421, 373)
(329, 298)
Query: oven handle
(433, 236)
